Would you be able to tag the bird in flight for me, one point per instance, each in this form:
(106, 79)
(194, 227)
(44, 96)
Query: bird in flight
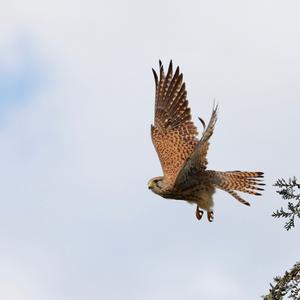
(183, 156)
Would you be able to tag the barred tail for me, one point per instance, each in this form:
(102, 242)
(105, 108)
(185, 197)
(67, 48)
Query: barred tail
(246, 182)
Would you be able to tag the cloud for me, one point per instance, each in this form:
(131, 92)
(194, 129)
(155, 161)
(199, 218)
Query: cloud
(20, 75)
(76, 152)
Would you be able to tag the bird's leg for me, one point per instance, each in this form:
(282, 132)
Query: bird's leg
(210, 215)
(199, 213)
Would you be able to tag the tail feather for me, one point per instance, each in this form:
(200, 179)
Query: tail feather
(246, 182)
(237, 197)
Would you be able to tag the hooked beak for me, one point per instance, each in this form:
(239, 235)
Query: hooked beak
(150, 185)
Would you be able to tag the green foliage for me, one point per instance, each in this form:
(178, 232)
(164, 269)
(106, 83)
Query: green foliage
(289, 190)
(287, 286)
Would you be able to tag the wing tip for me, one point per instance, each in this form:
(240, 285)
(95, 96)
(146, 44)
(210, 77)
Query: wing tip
(215, 107)
(202, 122)
(170, 69)
(155, 77)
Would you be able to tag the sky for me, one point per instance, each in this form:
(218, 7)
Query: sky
(77, 220)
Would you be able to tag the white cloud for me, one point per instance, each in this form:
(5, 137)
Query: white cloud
(76, 158)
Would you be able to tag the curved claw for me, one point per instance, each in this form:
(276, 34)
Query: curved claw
(199, 213)
(210, 216)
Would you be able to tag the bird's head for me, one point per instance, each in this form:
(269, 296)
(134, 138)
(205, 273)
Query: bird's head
(155, 185)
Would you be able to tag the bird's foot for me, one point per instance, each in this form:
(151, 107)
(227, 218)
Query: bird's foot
(210, 216)
(199, 213)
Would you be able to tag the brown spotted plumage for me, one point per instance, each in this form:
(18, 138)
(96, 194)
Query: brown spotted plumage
(183, 156)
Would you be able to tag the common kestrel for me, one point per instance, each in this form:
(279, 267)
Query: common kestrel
(183, 156)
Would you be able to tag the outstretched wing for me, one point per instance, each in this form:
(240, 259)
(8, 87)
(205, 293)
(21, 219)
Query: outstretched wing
(174, 133)
(197, 161)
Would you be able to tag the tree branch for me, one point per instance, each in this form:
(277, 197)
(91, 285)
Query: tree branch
(289, 191)
(287, 285)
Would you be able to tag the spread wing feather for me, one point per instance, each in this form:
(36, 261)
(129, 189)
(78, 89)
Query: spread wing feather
(173, 134)
(197, 162)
